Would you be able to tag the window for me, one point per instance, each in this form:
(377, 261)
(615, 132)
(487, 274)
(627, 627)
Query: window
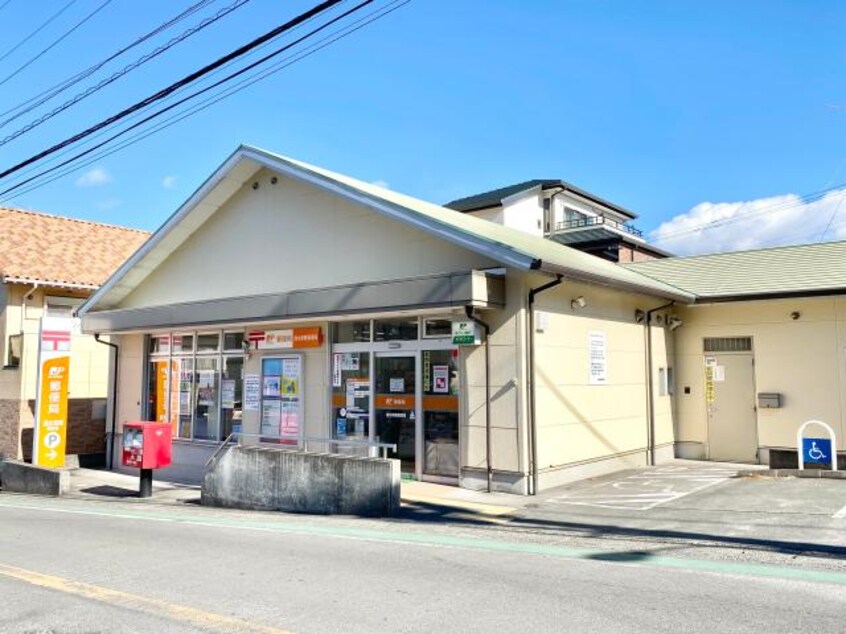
(395, 329)
(433, 328)
(208, 342)
(13, 356)
(233, 341)
(197, 391)
(351, 332)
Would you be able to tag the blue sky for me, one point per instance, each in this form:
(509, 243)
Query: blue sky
(685, 112)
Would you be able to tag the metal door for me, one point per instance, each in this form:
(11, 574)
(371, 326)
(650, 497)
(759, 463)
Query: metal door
(730, 403)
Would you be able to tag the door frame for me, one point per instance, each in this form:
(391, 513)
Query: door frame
(418, 401)
(709, 415)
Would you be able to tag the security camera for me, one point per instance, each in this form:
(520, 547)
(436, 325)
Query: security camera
(578, 302)
(674, 322)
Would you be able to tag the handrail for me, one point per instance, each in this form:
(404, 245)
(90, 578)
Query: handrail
(596, 220)
(384, 446)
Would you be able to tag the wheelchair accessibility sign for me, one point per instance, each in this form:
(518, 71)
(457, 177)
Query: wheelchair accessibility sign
(816, 450)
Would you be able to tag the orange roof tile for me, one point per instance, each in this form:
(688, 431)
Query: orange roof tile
(38, 247)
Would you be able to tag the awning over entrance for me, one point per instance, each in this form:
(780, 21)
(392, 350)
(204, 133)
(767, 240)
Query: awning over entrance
(472, 288)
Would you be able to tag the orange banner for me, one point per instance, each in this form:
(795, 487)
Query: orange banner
(161, 391)
(308, 337)
(51, 433)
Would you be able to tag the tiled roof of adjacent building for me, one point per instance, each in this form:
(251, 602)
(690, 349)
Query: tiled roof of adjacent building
(494, 197)
(792, 270)
(38, 247)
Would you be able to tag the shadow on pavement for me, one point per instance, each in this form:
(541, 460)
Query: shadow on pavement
(423, 512)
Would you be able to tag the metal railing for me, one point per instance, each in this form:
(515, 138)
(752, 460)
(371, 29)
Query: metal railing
(295, 439)
(593, 221)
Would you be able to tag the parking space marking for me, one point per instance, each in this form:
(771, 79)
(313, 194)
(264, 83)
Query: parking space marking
(840, 515)
(647, 489)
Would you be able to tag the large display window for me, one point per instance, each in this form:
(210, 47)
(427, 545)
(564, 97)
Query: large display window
(195, 382)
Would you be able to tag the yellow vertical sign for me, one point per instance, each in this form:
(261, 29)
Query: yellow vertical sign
(51, 424)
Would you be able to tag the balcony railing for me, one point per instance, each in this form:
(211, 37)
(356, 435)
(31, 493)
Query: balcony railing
(595, 221)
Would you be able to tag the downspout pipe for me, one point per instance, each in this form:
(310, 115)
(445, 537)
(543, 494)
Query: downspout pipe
(488, 451)
(116, 348)
(650, 392)
(533, 435)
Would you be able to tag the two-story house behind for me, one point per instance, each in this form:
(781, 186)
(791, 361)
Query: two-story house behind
(48, 266)
(565, 213)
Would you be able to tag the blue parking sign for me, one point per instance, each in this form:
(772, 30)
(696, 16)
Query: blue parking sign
(816, 450)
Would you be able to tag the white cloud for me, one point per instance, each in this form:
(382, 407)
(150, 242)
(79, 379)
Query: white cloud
(751, 224)
(169, 181)
(382, 184)
(94, 178)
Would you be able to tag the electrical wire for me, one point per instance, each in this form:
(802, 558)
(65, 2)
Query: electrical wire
(37, 31)
(141, 112)
(207, 103)
(3, 6)
(115, 76)
(57, 41)
(768, 209)
(57, 89)
(193, 95)
(163, 93)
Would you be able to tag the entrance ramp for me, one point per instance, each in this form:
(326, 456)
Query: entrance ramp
(270, 478)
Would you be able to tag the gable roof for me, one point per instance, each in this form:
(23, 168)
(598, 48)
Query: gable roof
(494, 197)
(808, 269)
(59, 251)
(508, 246)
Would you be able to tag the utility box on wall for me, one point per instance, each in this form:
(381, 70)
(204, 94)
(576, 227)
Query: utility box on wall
(147, 445)
(769, 400)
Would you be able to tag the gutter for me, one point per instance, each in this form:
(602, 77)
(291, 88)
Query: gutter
(111, 447)
(650, 392)
(488, 452)
(530, 345)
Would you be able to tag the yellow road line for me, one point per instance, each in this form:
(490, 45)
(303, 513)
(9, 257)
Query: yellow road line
(156, 607)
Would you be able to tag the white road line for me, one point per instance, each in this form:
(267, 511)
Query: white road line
(840, 515)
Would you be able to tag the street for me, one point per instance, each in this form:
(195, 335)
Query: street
(84, 565)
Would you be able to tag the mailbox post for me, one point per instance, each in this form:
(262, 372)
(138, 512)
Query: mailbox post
(147, 446)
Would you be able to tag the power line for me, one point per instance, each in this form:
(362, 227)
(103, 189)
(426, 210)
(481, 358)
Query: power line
(207, 103)
(36, 31)
(115, 76)
(768, 209)
(163, 93)
(141, 112)
(57, 41)
(166, 109)
(51, 92)
(3, 6)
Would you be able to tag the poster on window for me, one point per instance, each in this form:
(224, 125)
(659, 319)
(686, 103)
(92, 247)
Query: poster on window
(271, 417)
(252, 392)
(597, 357)
(290, 419)
(440, 379)
(205, 388)
(272, 387)
(227, 393)
(336, 369)
(350, 362)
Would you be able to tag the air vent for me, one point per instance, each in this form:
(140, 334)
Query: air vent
(728, 344)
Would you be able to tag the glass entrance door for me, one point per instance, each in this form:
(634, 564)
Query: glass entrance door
(440, 413)
(395, 406)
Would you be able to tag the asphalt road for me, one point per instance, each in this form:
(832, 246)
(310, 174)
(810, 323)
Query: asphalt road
(86, 566)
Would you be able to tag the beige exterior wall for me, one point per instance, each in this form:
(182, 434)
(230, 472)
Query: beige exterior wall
(801, 359)
(581, 422)
(89, 372)
(291, 236)
(508, 403)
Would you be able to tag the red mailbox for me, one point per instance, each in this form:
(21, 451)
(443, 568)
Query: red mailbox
(147, 445)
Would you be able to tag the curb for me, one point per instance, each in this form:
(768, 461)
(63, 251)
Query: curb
(796, 473)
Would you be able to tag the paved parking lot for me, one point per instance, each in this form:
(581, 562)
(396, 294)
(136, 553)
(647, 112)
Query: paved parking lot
(700, 506)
